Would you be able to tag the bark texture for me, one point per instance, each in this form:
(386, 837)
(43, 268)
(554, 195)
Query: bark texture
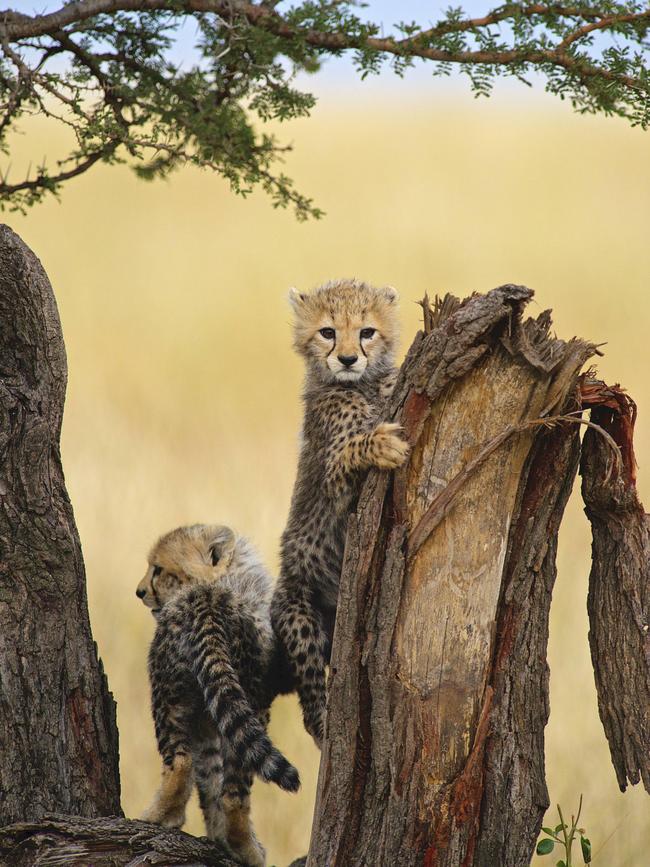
(439, 686)
(70, 841)
(619, 584)
(58, 736)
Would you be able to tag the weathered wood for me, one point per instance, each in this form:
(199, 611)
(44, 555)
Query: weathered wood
(58, 736)
(438, 685)
(72, 841)
(619, 585)
(515, 796)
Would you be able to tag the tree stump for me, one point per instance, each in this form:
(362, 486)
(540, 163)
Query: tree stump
(438, 692)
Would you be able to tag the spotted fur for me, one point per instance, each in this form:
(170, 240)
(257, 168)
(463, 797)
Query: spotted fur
(214, 670)
(346, 332)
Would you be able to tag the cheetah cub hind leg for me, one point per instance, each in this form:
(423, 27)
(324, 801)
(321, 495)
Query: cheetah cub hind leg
(239, 831)
(168, 806)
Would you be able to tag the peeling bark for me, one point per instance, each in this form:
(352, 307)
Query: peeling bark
(58, 736)
(439, 686)
(619, 584)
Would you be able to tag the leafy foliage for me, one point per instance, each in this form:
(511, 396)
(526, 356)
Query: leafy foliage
(564, 836)
(104, 68)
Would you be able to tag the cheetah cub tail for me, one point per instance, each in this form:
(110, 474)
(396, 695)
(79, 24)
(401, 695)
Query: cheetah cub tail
(237, 723)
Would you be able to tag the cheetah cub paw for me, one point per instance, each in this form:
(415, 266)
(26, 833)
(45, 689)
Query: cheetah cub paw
(170, 818)
(387, 448)
(250, 852)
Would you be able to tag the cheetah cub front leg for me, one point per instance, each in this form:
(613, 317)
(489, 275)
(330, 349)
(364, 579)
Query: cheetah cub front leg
(383, 447)
(386, 449)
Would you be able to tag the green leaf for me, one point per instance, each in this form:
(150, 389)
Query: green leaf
(548, 831)
(561, 864)
(586, 849)
(545, 847)
(559, 828)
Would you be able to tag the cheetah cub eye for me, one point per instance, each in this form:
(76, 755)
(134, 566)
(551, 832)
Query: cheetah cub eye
(368, 333)
(327, 333)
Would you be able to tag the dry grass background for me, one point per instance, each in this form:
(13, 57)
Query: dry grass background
(183, 400)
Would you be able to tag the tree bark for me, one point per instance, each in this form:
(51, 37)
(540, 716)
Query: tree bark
(438, 693)
(619, 584)
(58, 735)
(111, 842)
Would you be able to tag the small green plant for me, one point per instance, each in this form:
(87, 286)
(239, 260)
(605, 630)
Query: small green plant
(564, 835)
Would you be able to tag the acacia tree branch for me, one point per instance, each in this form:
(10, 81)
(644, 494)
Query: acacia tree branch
(609, 21)
(41, 179)
(20, 26)
(267, 18)
(203, 116)
(507, 11)
(28, 75)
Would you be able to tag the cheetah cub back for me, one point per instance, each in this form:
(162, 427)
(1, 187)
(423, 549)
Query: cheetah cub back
(213, 666)
(346, 333)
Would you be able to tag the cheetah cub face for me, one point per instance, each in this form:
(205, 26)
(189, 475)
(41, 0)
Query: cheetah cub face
(185, 555)
(346, 329)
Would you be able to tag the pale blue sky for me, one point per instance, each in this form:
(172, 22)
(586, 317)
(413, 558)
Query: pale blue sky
(338, 72)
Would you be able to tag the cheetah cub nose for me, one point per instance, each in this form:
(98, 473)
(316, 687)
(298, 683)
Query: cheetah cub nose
(140, 593)
(347, 360)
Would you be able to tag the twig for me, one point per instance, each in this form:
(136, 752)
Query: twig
(442, 503)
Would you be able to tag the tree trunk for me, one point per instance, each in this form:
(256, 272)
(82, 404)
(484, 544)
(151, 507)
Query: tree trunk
(58, 736)
(438, 693)
(619, 585)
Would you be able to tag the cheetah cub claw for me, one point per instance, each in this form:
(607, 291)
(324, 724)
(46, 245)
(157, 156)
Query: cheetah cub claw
(387, 449)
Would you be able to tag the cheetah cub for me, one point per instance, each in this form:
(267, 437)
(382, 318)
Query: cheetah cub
(346, 332)
(214, 671)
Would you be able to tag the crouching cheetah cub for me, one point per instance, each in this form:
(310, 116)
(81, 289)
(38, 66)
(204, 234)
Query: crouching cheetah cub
(346, 332)
(214, 671)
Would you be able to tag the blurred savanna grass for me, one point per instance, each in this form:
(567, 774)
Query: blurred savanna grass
(183, 401)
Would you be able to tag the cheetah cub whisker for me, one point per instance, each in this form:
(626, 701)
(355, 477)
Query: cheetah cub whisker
(346, 332)
(214, 669)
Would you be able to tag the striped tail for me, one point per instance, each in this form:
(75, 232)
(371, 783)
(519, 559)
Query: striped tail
(230, 709)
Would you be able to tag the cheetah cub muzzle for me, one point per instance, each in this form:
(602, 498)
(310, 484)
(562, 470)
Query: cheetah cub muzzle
(346, 333)
(214, 669)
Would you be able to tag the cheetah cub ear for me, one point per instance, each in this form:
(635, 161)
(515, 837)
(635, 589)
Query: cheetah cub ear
(296, 299)
(222, 549)
(390, 294)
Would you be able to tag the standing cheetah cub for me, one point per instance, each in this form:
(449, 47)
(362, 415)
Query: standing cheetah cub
(214, 668)
(346, 332)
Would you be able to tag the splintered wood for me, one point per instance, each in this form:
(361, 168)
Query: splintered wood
(619, 583)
